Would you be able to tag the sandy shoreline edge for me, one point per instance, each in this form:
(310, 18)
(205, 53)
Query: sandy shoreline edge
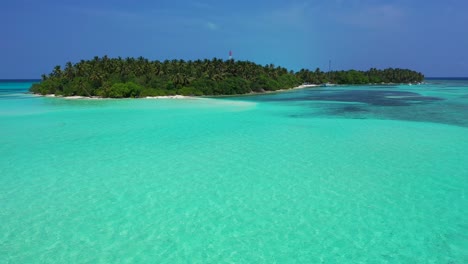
(75, 97)
(302, 86)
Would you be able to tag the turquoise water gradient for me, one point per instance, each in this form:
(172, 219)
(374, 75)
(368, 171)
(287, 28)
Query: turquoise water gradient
(323, 175)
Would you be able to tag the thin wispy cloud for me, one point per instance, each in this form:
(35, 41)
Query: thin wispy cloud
(156, 19)
(106, 13)
(293, 15)
(212, 26)
(289, 17)
(201, 5)
(374, 17)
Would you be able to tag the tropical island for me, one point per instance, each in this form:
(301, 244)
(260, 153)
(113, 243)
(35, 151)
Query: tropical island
(140, 77)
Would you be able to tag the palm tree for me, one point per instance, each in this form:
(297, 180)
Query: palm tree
(57, 72)
(69, 70)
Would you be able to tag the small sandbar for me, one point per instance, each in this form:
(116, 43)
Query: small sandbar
(306, 86)
(82, 97)
(171, 97)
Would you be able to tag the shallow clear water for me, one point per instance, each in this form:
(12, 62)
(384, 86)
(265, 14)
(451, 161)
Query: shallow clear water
(334, 175)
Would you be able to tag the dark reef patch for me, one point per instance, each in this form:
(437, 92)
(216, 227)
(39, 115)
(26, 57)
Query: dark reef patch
(352, 108)
(371, 97)
(376, 104)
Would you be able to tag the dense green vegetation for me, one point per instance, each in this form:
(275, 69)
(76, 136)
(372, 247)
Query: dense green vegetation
(130, 77)
(371, 76)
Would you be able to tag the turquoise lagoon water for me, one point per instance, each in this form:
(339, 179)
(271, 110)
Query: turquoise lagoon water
(353, 174)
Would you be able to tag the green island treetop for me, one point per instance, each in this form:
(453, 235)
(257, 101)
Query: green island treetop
(130, 77)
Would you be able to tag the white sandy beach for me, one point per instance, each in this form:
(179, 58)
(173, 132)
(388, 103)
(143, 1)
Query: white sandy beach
(75, 97)
(171, 97)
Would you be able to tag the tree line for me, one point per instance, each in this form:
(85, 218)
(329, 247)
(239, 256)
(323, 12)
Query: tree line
(140, 77)
(372, 76)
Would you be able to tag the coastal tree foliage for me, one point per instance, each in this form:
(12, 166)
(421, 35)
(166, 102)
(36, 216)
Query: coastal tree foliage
(372, 76)
(140, 77)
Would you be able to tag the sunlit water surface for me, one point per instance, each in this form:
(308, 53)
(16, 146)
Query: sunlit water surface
(335, 175)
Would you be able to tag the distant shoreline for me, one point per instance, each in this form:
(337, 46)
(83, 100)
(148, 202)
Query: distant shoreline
(140, 78)
(75, 97)
(20, 80)
(177, 96)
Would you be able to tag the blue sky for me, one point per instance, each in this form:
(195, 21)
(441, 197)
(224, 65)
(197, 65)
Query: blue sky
(428, 36)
